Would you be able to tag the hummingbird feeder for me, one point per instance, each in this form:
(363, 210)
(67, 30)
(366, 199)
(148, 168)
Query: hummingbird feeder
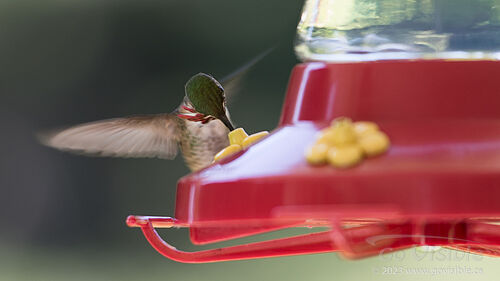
(426, 72)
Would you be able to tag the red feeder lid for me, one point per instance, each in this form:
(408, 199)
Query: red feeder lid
(437, 185)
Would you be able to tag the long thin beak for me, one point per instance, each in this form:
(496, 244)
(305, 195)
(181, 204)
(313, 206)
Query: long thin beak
(226, 122)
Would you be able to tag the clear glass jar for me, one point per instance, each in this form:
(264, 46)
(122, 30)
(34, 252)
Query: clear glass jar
(365, 30)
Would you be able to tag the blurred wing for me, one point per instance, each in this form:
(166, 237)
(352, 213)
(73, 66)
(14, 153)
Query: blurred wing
(135, 136)
(232, 82)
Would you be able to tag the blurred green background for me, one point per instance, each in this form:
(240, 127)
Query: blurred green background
(64, 62)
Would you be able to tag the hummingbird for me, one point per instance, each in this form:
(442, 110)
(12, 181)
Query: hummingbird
(199, 127)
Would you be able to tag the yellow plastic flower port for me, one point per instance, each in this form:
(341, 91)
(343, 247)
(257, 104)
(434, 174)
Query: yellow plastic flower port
(230, 150)
(344, 143)
(253, 138)
(238, 139)
(237, 136)
(339, 134)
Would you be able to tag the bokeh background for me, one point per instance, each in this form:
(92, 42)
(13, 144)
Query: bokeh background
(64, 62)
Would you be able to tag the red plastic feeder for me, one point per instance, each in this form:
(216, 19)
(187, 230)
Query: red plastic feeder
(438, 184)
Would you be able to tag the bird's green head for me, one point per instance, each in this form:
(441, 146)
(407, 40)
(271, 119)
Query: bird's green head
(205, 94)
(207, 97)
